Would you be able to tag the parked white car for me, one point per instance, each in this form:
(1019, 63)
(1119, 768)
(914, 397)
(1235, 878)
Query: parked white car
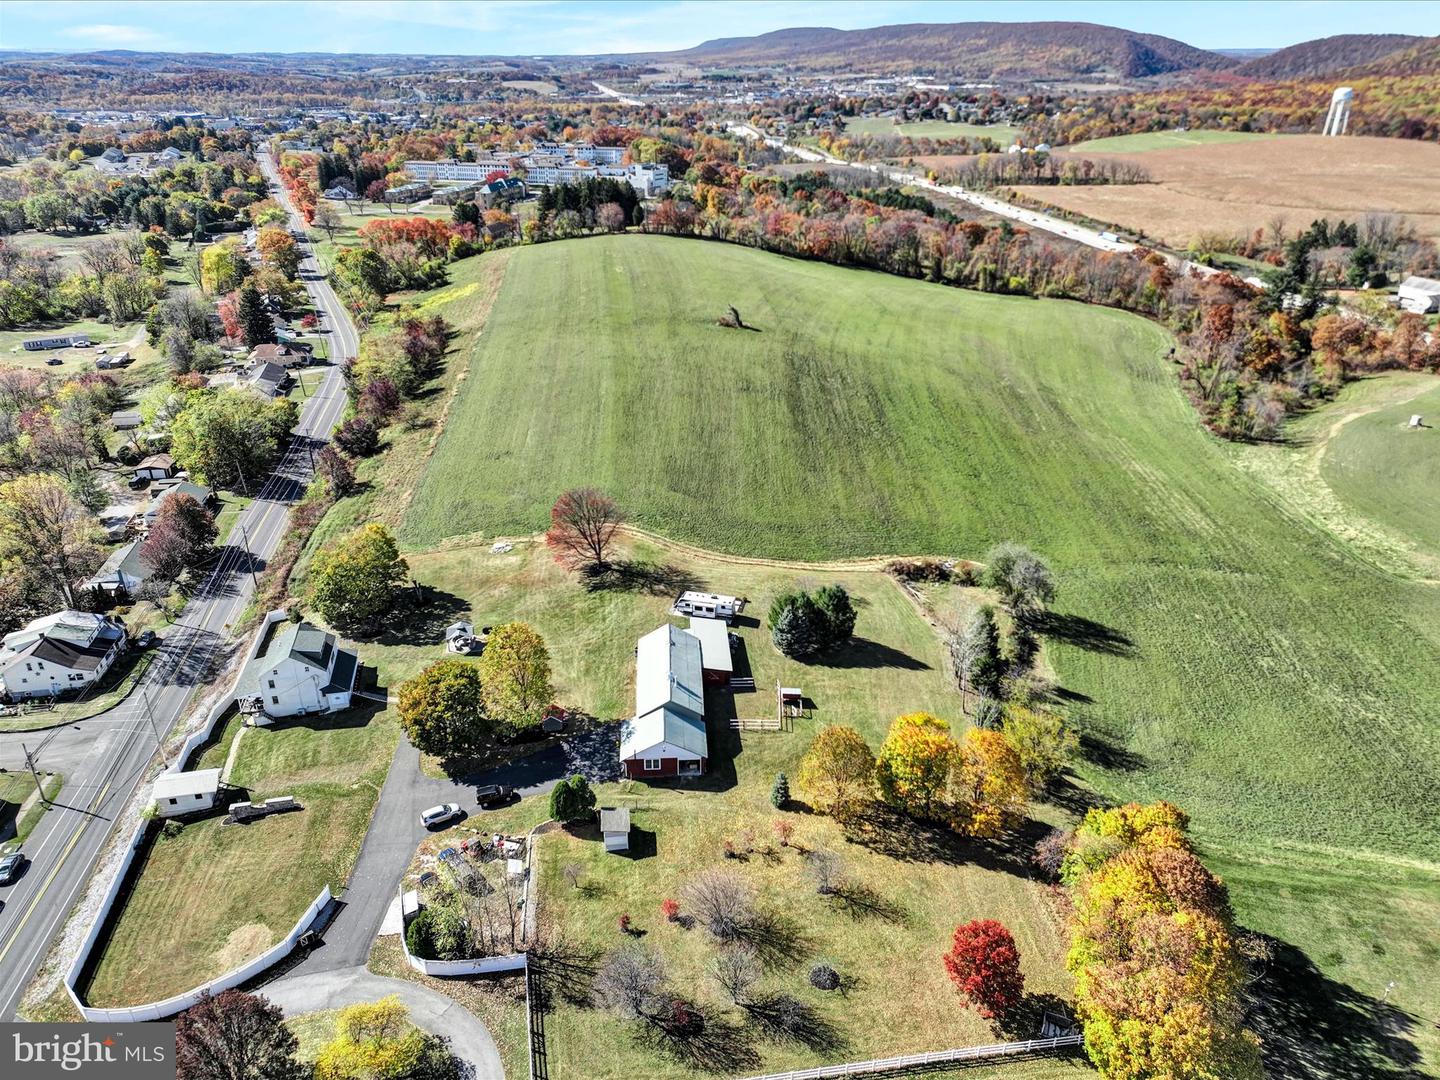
(439, 815)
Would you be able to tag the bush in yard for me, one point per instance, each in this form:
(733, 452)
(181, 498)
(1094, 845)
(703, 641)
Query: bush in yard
(780, 791)
(418, 936)
(1021, 578)
(353, 582)
(235, 1036)
(722, 901)
(670, 909)
(335, 469)
(442, 710)
(515, 669)
(836, 772)
(914, 763)
(379, 401)
(572, 800)
(824, 977)
(358, 437)
(1050, 852)
(784, 830)
(631, 981)
(984, 965)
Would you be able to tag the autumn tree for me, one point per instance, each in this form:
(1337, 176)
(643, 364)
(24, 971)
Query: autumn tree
(1043, 741)
(984, 965)
(913, 767)
(235, 1036)
(376, 1041)
(376, 192)
(353, 582)
(42, 523)
(722, 901)
(181, 537)
(1021, 578)
(442, 710)
(278, 249)
(357, 436)
(837, 770)
(335, 470)
(515, 671)
(231, 438)
(583, 525)
(222, 267)
(327, 219)
(986, 788)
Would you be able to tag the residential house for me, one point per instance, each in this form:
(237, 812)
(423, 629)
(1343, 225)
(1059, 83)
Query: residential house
(300, 670)
(65, 651)
(282, 353)
(201, 494)
(667, 737)
(123, 573)
(340, 192)
(113, 154)
(156, 467)
(271, 380)
(178, 793)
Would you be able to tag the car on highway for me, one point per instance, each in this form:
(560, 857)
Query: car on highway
(10, 867)
(439, 815)
(494, 795)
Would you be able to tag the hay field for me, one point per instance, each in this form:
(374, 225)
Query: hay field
(1164, 140)
(1239, 187)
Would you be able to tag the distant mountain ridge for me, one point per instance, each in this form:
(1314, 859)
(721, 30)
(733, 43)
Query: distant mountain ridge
(1015, 50)
(1422, 58)
(1326, 56)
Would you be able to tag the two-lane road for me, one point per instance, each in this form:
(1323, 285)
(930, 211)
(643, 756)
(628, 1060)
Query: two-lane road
(105, 759)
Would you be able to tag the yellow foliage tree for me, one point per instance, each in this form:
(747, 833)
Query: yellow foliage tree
(373, 1041)
(836, 772)
(987, 784)
(914, 765)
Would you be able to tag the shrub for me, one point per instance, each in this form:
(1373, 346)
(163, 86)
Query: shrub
(572, 799)
(624, 922)
(670, 909)
(984, 965)
(784, 830)
(419, 938)
(780, 791)
(358, 437)
(824, 977)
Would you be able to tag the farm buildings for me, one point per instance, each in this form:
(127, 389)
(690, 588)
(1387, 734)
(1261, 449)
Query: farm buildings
(667, 736)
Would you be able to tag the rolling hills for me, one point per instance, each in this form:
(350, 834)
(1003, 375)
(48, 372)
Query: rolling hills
(1326, 56)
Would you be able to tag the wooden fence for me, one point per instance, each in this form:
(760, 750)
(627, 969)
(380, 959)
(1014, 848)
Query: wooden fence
(764, 723)
(997, 1051)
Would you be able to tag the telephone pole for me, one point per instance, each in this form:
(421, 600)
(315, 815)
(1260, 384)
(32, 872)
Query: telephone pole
(150, 714)
(30, 762)
(249, 555)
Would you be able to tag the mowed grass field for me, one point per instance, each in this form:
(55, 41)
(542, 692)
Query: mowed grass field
(1219, 648)
(1164, 140)
(1237, 187)
(1003, 134)
(211, 898)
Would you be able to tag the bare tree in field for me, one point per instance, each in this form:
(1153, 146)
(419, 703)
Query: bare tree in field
(722, 901)
(326, 218)
(737, 970)
(583, 524)
(631, 980)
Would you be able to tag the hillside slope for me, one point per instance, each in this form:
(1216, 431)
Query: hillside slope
(1422, 58)
(1326, 56)
(1039, 49)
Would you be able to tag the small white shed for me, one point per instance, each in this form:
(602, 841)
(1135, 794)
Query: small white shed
(615, 828)
(186, 792)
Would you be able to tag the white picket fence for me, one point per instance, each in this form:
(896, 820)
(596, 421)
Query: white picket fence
(997, 1051)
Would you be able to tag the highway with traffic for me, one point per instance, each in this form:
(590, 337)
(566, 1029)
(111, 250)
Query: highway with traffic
(105, 759)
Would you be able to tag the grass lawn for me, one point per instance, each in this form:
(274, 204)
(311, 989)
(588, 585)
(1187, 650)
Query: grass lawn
(1163, 140)
(225, 894)
(871, 414)
(347, 233)
(1004, 134)
(16, 788)
(231, 505)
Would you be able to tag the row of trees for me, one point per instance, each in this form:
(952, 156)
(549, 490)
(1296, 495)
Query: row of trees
(457, 710)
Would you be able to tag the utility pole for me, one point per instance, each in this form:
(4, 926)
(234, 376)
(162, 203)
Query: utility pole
(150, 714)
(244, 487)
(39, 790)
(249, 556)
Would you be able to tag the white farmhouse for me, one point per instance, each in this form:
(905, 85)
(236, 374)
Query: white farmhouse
(68, 650)
(300, 670)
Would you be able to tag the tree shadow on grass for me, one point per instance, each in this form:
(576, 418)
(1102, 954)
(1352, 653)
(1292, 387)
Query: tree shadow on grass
(421, 616)
(860, 901)
(1312, 1027)
(782, 1018)
(566, 969)
(886, 831)
(710, 1043)
(638, 576)
(1085, 634)
(1099, 750)
(1025, 1020)
(776, 939)
(864, 653)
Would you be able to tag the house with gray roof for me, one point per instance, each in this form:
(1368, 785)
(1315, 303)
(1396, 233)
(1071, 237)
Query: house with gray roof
(123, 572)
(667, 737)
(199, 492)
(66, 651)
(301, 669)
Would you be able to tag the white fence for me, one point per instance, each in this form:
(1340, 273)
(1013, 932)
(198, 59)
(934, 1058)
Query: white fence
(996, 1051)
(160, 1009)
(762, 724)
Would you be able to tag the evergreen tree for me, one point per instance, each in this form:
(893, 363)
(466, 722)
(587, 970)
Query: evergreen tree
(780, 792)
(256, 326)
(839, 614)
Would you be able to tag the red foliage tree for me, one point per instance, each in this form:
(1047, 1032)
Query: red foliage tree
(182, 536)
(985, 965)
(235, 1036)
(583, 523)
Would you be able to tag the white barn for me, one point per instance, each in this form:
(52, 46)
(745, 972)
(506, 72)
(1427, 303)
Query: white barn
(186, 792)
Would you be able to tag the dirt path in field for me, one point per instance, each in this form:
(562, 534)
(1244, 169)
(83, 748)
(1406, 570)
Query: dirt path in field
(1293, 473)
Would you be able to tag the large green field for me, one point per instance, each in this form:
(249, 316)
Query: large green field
(1221, 648)
(1165, 140)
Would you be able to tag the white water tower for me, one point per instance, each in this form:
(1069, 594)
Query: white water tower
(1337, 120)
